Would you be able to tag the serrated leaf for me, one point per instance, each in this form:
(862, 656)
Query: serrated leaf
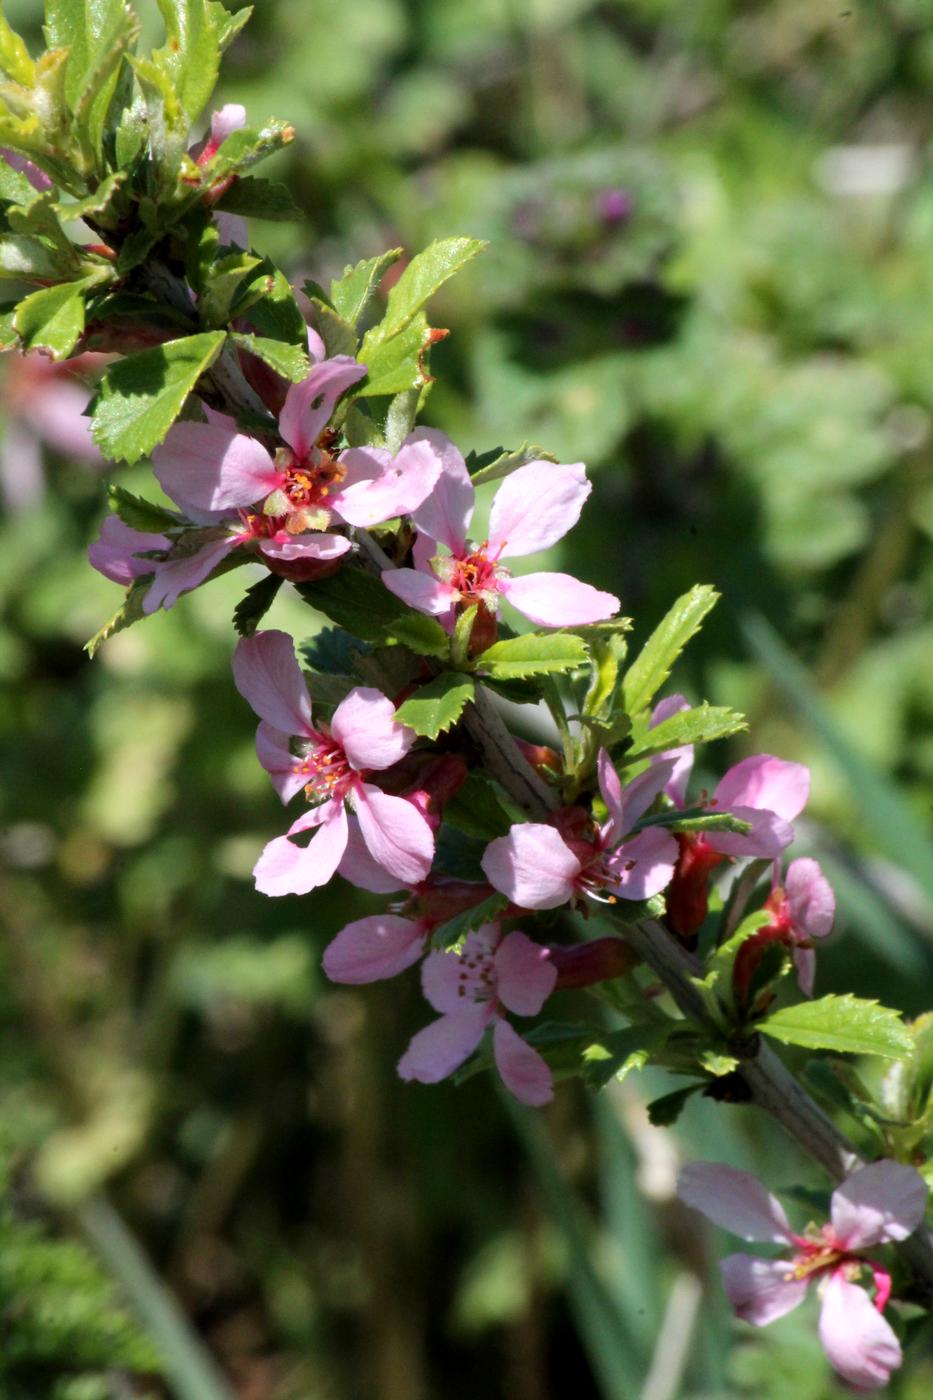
(53, 319)
(535, 654)
(255, 198)
(275, 312)
(31, 259)
(616, 1054)
(420, 280)
(245, 148)
(395, 365)
(290, 361)
(364, 606)
(652, 667)
(191, 55)
(129, 611)
(475, 809)
(698, 725)
(450, 932)
(139, 398)
(139, 513)
(665, 1111)
(351, 294)
(14, 55)
(255, 603)
(438, 705)
(846, 1024)
(492, 466)
(332, 650)
(716, 1063)
(338, 335)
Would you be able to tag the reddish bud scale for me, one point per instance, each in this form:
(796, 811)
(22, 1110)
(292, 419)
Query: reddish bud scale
(753, 949)
(687, 896)
(584, 964)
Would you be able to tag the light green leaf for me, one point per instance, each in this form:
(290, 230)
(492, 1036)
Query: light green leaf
(290, 361)
(31, 259)
(139, 513)
(846, 1024)
(698, 725)
(351, 294)
(53, 319)
(14, 55)
(652, 667)
(397, 364)
(421, 279)
(140, 397)
(492, 466)
(616, 1054)
(436, 706)
(338, 335)
(129, 611)
(255, 198)
(14, 187)
(531, 655)
(245, 148)
(191, 55)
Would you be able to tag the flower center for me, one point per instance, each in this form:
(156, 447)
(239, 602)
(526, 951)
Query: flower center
(476, 978)
(475, 576)
(323, 764)
(300, 501)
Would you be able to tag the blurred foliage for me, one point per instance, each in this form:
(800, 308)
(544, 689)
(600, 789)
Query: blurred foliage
(709, 279)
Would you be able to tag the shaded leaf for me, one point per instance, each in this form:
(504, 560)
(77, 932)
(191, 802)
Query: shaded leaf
(351, 294)
(290, 361)
(255, 603)
(438, 705)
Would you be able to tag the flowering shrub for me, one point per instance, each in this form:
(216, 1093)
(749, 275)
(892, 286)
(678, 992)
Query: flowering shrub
(284, 432)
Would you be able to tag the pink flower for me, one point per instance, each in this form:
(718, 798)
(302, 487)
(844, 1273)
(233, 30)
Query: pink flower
(473, 990)
(877, 1204)
(115, 554)
(43, 403)
(533, 508)
(332, 764)
(541, 866)
(802, 910)
(231, 228)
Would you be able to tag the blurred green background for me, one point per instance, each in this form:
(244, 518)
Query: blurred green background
(710, 279)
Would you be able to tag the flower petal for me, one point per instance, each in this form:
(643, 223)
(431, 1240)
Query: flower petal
(524, 1072)
(371, 949)
(532, 865)
(610, 789)
(805, 964)
(446, 513)
(398, 837)
(734, 1200)
(811, 899)
(766, 783)
(536, 506)
(212, 467)
(761, 1290)
(559, 600)
(878, 1204)
(358, 867)
(313, 546)
(682, 756)
(279, 762)
(442, 981)
(860, 1345)
(443, 1046)
(284, 868)
(309, 405)
(769, 835)
(639, 794)
(525, 977)
(644, 865)
(421, 591)
(267, 675)
(394, 487)
(364, 725)
(113, 552)
(177, 576)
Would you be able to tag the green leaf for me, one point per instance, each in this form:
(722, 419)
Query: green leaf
(139, 513)
(531, 655)
(665, 1111)
(140, 397)
(33, 260)
(53, 319)
(400, 418)
(14, 187)
(698, 725)
(255, 198)
(129, 611)
(338, 335)
(14, 55)
(245, 148)
(492, 466)
(255, 603)
(450, 932)
(436, 706)
(290, 361)
(274, 312)
(364, 606)
(397, 364)
(616, 1054)
(718, 969)
(420, 280)
(845, 1024)
(96, 35)
(351, 294)
(191, 55)
(476, 810)
(652, 667)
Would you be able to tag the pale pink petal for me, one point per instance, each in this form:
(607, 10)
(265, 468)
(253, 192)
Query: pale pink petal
(398, 837)
(878, 1204)
(532, 865)
(639, 794)
(113, 553)
(446, 513)
(177, 576)
(536, 506)
(860, 1345)
(358, 867)
(761, 1290)
(524, 1073)
(231, 230)
(207, 466)
(734, 1200)
(644, 865)
(610, 789)
(769, 835)
(370, 949)
(229, 118)
(279, 762)
(766, 783)
(22, 477)
(285, 868)
(36, 177)
(525, 976)
(443, 983)
(805, 964)
(365, 726)
(682, 756)
(421, 591)
(286, 546)
(56, 411)
(559, 600)
(443, 1046)
(267, 674)
(397, 488)
(309, 405)
(811, 899)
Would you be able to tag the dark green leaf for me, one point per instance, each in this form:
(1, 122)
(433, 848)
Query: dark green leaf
(255, 198)
(476, 809)
(139, 513)
(652, 667)
(364, 606)
(436, 706)
(665, 1111)
(255, 603)
(332, 650)
(500, 462)
(846, 1024)
(446, 934)
(129, 611)
(615, 1054)
(351, 294)
(533, 654)
(140, 397)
